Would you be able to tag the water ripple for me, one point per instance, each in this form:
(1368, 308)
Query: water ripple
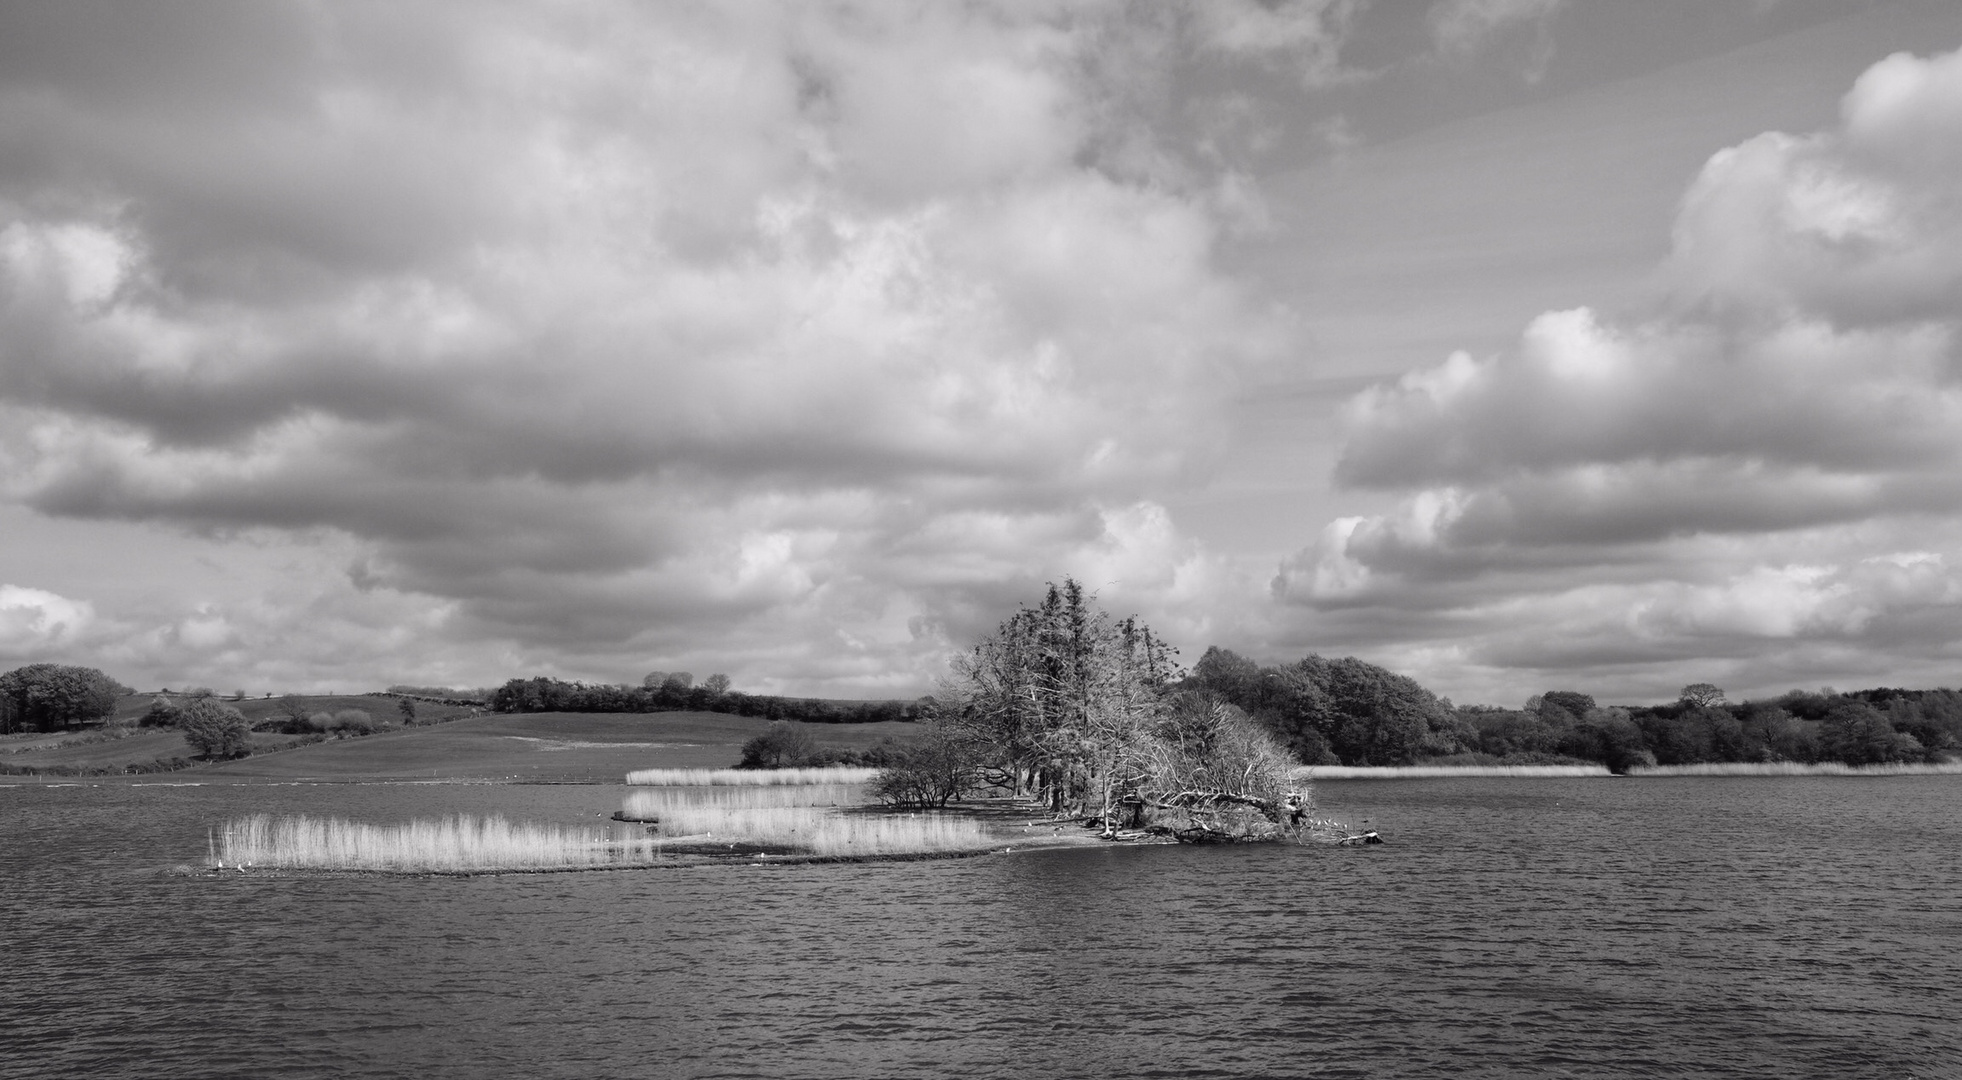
(1544, 928)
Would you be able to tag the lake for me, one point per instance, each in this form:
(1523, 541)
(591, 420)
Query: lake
(1734, 927)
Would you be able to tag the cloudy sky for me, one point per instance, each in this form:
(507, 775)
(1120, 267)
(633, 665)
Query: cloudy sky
(1512, 344)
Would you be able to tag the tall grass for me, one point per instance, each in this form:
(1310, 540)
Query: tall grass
(830, 774)
(1793, 768)
(1429, 772)
(647, 804)
(453, 844)
(821, 832)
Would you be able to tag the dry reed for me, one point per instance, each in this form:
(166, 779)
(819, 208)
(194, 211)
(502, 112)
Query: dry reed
(1431, 772)
(453, 844)
(1794, 768)
(831, 774)
(821, 832)
(646, 804)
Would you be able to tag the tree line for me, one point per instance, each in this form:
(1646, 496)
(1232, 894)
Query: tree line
(1864, 727)
(1352, 713)
(544, 694)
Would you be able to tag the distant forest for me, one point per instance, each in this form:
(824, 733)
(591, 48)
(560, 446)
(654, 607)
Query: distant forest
(1352, 713)
(677, 692)
(1349, 712)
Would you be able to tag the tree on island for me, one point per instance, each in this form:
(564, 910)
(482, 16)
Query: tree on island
(1079, 709)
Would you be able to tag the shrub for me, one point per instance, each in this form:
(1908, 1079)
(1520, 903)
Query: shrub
(354, 721)
(344, 723)
(785, 745)
(930, 773)
(215, 730)
(162, 712)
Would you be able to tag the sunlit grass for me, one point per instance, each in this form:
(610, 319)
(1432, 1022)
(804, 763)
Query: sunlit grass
(648, 803)
(1793, 768)
(1430, 772)
(834, 774)
(823, 832)
(453, 844)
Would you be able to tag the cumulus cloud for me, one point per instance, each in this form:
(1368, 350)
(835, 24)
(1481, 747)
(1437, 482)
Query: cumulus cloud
(766, 338)
(35, 622)
(1758, 467)
(1308, 34)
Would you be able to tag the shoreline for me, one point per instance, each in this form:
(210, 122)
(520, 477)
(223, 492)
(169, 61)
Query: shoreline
(1639, 772)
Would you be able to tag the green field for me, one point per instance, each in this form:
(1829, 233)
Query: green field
(540, 747)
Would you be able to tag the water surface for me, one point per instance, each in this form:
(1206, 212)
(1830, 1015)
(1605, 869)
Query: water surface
(1746, 927)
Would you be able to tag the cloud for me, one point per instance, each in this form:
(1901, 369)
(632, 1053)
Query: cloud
(35, 622)
(1309, 34)
(1462, 28)
(1758, 467)
(768, 336)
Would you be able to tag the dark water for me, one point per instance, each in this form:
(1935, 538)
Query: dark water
(1749, 927)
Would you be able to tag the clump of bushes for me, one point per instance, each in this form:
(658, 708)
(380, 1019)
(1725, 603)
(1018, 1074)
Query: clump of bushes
(783, 746)
(928, 774)
(788, 745)
(215, 730)
(343, 724)
(292, 717)
(162, 712)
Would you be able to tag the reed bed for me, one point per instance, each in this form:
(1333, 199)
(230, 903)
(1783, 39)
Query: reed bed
(647, 804)
(1794, 768)
(822, 832)
(1431, 772)
(831, 774)
(458, 844)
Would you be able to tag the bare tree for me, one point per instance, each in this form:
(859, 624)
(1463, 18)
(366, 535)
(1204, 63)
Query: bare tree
(1703, 695)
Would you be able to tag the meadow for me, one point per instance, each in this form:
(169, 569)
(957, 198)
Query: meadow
(527, 747)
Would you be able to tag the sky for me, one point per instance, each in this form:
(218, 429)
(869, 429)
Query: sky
(1514, 345)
